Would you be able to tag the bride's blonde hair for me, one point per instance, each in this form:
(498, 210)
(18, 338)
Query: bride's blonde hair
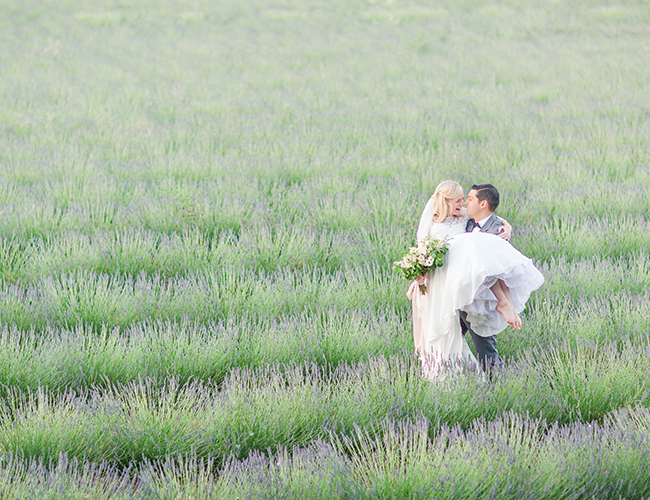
(445, 193)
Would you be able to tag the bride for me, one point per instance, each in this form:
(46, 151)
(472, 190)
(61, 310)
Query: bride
(482, 275)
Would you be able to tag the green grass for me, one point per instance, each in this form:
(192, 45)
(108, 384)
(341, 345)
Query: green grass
(200, 204)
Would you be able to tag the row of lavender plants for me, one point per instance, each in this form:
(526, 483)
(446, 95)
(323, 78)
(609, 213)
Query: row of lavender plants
(268, 247)
(84, 203)
(258, 408)
(511, 457)
(592, 298)
(59, 358)
(107, 324)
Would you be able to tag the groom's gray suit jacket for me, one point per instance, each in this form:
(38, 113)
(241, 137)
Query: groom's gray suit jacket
(493, 225)
(486, 347)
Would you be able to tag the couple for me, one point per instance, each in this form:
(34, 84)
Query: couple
(481, 288)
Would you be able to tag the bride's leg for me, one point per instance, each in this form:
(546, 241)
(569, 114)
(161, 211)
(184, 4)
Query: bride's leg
(505, 305)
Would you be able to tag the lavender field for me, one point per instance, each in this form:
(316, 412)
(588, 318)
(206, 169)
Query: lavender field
(200, 206)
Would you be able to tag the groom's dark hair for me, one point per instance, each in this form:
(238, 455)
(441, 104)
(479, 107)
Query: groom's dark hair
(488, 193)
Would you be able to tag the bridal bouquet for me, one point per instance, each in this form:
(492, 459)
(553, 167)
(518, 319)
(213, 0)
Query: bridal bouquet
(424, 257)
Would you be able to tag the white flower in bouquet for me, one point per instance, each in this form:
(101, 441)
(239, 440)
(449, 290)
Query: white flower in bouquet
(429, 261)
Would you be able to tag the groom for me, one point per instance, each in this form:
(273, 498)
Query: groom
(482, 201)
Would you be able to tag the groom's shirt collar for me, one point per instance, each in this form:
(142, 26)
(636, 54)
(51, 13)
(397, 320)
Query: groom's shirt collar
(483, 221)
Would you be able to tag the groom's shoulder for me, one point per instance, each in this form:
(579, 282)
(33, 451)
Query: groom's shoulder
(496, 220)
(493, 224)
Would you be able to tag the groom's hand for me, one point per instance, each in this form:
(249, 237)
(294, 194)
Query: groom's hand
(506, 230)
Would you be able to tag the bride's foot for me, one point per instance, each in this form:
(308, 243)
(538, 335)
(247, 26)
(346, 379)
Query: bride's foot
(509, 314)
(505, 305)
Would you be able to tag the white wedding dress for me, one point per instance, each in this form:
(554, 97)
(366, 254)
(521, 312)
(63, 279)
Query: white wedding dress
(472, 264)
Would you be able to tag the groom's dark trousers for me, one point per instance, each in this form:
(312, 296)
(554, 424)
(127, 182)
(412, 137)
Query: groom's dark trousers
(486, 347)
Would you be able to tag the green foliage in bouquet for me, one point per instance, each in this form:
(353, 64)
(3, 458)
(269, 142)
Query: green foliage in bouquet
(425, 256)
